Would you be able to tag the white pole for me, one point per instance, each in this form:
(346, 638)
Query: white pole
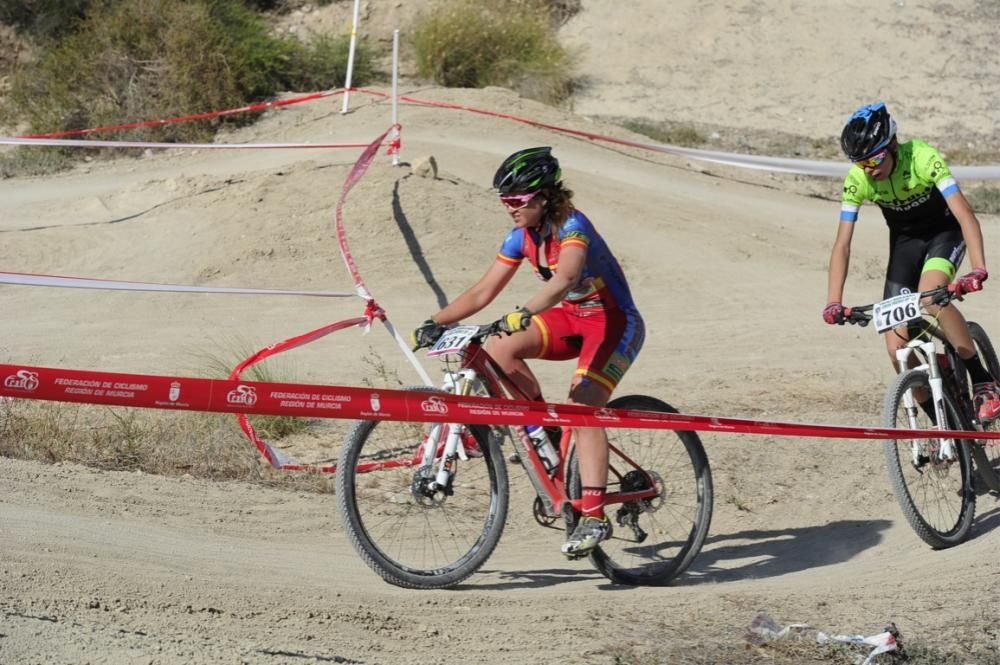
(395, 92)
(350, 55)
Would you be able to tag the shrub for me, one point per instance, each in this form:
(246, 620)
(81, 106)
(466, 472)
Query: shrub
(509, 43)
(321, 63)
(134, 60)
(146, 59)
(679, 134)
(43, 18)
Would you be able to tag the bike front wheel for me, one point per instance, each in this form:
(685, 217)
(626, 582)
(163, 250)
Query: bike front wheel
(935, 491)
(987, 453)
(653, 540)
(410, 536)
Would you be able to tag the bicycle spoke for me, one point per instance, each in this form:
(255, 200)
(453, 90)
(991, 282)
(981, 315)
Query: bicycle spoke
(934, 490)
(409, 533)
(656, 539)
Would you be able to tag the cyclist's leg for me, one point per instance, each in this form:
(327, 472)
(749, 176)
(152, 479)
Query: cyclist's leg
(944, 253)
(511, 350)
(611, 339)
(902, 275)
(943, 257)
(918, 263)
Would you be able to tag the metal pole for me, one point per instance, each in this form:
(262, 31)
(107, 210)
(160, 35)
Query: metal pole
(395, 92)
(350, 56)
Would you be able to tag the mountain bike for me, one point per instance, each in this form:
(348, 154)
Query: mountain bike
(425, 504)
(934, 479)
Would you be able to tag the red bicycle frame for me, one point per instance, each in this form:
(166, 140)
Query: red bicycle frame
(551, 489)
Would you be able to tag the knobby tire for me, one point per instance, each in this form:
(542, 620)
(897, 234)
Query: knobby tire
(676, 522)
(987, 452)
(937, 499)
(409, 540)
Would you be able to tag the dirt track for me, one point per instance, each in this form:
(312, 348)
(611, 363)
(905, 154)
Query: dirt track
(729, 270)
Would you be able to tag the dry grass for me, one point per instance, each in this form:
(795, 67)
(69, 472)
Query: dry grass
(509, 43)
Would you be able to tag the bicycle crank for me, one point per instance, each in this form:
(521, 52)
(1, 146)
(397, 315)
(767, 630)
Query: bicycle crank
(542, 516)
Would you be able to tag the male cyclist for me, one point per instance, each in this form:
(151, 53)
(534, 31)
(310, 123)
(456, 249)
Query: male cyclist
(931, 226)
(583, 310)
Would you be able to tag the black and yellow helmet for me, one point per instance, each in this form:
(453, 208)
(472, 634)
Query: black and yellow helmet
(527, 170)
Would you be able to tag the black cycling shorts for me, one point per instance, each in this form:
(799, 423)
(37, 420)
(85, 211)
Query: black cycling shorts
(911, 255)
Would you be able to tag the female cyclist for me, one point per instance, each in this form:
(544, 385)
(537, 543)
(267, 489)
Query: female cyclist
(931, 225)
(584, 310)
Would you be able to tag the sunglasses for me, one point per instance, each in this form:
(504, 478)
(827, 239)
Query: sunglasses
(517, 201)
(874, 161)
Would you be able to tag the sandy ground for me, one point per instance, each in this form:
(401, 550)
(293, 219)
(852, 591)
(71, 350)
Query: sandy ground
(727, 267)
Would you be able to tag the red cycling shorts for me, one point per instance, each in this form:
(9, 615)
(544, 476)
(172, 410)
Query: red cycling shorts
(606, 341)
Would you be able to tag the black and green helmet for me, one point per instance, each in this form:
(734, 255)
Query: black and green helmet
(527, 170)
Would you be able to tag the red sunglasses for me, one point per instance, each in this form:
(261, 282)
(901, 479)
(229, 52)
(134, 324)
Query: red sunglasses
(517, 201)
(874, 161)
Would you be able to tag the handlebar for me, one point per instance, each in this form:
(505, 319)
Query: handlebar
(494, 329)
(861, 315)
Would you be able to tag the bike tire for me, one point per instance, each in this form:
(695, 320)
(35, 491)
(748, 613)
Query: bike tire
(937, 499)
(985, 347)
(409, 540)
(988, 459)
(676, 522)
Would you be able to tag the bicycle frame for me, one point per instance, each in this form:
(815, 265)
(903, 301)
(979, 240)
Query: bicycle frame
(478, 367)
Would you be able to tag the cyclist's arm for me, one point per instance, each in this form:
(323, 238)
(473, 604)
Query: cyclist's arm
(572, 258)
(479, 295)
(972, 233)
(840, 260)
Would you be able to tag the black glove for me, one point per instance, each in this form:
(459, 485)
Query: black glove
(514, 322)
(425, 335)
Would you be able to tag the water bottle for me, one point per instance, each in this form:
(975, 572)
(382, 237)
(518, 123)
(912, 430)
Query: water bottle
(546, 451)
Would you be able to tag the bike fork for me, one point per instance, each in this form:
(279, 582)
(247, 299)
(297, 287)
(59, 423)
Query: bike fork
(936, 382)
(457, 383)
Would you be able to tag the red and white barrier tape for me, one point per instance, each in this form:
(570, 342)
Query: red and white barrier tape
(330, 401)
(29, 279)
(372, 312)
(188, 118)
(274, 455)
(759, 162)
(94, 143)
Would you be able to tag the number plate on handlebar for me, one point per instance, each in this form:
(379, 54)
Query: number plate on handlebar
(896, 311)
(453, 340)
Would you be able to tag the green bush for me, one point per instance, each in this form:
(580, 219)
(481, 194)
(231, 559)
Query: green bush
(321, 63)
(680, 134)
(133, 60)
(43, 18)
(508, 43)
(145, 59)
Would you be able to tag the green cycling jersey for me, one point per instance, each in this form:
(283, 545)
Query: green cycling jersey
(912, 198)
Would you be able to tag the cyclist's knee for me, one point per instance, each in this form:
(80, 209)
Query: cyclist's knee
(894, 341)
(589, 392)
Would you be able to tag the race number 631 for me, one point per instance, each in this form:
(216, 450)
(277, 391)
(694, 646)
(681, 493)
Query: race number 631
(896, 311)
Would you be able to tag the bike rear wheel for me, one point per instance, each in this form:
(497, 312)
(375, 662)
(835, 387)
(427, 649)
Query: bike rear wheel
(654, 540)
(936, 495)
(410, 537)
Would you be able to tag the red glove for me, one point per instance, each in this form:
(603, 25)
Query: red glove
(969, 283)
(834, 314)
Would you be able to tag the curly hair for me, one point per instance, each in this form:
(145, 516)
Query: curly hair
(558, 204)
